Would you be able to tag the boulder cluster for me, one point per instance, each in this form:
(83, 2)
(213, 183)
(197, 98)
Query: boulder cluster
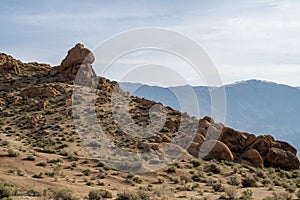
(215, 141)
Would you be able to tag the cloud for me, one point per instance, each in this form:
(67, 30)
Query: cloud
(234, 33)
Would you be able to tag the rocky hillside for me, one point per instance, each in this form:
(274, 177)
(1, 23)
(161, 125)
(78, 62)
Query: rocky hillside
(37, 116)
(254, 106)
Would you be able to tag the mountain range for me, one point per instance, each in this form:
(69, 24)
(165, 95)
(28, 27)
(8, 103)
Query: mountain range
(254, 106)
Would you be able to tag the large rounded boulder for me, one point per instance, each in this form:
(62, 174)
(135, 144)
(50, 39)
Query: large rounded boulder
(76, 56)
(214, 149)
(235, 140)
(263, 144)
(283, 159)
(252, 157)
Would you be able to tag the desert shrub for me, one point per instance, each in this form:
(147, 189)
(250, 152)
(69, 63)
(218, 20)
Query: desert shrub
(41, 164)
(268, 198)
(89, 183)
(214, 168)
(87, 172)
(34, 193)
(133, 179)
(196, 163)
(247, 195)
(199, 177)
(231, 192)
(266, 182)
(21, 172)
(30, 158)
(171, 170)
(233, 181)
(99, 194)
(100, 164)
(282, 196)
(7, 190)
(39, 176)
(260, 173)
(248, 182)
(54, 161)
(217, 187)
(13, 153)
(5, 143)
(65, 194)
(291, 189)
(140, 195)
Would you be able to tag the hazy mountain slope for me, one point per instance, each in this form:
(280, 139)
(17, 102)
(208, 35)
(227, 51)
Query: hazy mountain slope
(253, 106)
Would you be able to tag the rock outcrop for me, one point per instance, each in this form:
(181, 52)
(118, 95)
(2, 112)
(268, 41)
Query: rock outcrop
(77, 66)
(40, 92)
(280, 158)
(252, 157)
(76, 56)
(213, 149)
(8, 64)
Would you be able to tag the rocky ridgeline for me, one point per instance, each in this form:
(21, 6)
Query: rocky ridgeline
(37, 83)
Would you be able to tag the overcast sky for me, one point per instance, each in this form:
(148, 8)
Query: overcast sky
(245, 39)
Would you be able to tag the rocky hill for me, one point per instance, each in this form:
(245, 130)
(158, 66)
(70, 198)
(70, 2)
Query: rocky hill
(254, 106)
(42, 147)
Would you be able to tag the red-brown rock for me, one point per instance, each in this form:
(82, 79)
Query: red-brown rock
(252, 157)
(287, 147)
(213, 149)
(40, 92)
(76, 56)
(280, 158)
(8, 64)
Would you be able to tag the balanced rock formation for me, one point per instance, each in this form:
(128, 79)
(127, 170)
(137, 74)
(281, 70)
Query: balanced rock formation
(76, 56)
(76, 66)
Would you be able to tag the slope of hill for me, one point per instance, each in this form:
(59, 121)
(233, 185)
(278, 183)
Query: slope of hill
(49, 151)
(253, 106)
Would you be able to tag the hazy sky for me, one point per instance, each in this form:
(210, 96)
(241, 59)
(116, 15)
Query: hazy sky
(245, 39)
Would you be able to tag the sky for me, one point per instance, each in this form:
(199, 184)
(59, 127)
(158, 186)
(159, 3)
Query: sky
(256, 39)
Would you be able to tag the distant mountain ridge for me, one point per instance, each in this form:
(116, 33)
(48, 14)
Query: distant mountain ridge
(254, 106)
